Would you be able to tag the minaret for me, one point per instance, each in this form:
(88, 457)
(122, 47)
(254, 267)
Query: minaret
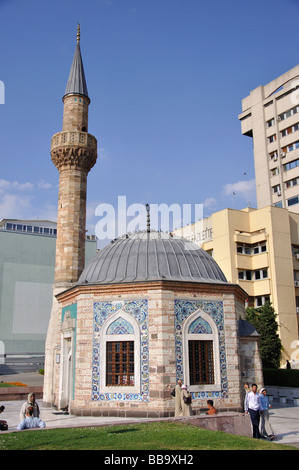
(74, 153)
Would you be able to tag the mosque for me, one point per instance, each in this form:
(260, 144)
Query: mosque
(149, 308)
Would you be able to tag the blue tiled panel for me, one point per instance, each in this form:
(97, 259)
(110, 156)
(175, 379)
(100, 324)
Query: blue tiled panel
(214, 309)
(138, 309)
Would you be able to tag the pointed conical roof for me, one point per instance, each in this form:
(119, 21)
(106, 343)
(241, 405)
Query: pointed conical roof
(76, 81)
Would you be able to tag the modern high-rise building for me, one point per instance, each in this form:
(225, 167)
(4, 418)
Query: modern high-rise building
(270, 115)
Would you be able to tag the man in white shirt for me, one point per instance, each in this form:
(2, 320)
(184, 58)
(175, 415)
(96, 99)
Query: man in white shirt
(253, 406)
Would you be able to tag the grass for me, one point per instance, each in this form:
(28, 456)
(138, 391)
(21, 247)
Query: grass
(154, 436)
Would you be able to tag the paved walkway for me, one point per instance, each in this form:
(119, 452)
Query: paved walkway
(284, 419)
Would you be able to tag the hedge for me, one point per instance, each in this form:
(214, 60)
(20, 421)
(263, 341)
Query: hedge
(282, 377)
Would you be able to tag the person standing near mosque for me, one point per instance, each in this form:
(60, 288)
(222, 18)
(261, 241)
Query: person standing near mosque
(253, 406)
(186, 401)
(178, 400)
(266, 428)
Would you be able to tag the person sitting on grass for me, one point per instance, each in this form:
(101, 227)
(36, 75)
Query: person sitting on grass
(30, 421)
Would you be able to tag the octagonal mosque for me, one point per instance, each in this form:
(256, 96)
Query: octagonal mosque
(149, 309)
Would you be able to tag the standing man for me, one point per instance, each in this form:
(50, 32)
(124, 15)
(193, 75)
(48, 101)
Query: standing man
(266, 428)
(254, 407)
(178, 399)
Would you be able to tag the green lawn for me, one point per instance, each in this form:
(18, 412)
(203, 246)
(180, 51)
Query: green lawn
(145, 436)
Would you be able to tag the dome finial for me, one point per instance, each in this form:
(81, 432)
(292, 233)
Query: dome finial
(78, 33)
(148, 218)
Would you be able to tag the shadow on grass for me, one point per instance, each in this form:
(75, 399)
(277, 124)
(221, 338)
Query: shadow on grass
(122, 431)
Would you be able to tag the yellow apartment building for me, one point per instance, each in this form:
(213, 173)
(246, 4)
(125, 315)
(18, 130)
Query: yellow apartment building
(259, 250)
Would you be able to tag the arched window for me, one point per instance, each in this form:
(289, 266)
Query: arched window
(201, 353)
(120, 353)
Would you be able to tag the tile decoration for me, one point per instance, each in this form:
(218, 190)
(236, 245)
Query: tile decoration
(182, 310)
(200, 326)
(138, 309)
(120, 327)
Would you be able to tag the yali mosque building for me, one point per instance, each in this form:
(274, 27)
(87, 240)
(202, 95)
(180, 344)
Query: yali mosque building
(147, 310)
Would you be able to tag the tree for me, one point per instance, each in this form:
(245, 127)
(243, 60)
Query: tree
(264, 320)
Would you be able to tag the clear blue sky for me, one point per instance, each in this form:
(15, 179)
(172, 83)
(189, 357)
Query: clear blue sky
(166, 79)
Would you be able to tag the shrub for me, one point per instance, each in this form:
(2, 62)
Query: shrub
(264, 321)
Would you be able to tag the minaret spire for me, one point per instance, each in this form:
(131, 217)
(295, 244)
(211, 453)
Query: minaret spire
(76, 82)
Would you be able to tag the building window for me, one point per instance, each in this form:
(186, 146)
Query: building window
(293, 200)
(275, 171)
(271, 122)
(288, 113)
(276, 189)
(244, 248)
(245, 275)
(295, 251)
(259, 248)
(120, 363)
(120, 353)
(261, 300)
(289, 130)
(272, 138)
(291, 183)
(291, 147)
(261, 274)
(201, 362)
(256, 248)
(291, 165)
(273, 155)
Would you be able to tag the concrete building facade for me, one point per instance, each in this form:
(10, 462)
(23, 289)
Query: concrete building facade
(270, 115)
(259, 250)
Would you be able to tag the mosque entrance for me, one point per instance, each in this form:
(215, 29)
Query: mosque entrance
(66, 373)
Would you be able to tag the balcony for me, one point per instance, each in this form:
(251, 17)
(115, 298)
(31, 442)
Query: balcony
(73, 138)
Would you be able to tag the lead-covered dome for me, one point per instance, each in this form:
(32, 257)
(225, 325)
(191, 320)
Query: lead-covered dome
(151, 256)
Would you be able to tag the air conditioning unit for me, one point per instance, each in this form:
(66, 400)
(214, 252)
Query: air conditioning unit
(283, 154)
(275, 158)
(278, 193)
(278, 118)
(296, 283)
(297, 255)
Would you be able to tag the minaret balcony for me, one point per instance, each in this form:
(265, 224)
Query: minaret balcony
(73, 138)
(73, 150)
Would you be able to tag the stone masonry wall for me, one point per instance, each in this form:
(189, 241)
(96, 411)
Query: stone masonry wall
(162, 358)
